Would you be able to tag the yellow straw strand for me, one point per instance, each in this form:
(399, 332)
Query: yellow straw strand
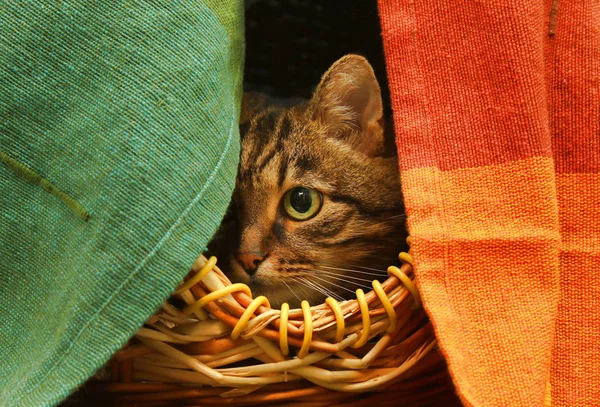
(253, 306)
(199, 276)
(216, 295)
(410, 286)
(339, 318)
(308, 329)
(283, 329)
(366, 319)
(387, 305)
(406, 258)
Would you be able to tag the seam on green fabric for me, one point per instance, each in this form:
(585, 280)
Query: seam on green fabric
(26, 173)
(106, 303)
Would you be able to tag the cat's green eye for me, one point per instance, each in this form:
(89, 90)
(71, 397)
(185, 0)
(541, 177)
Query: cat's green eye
(301, 203)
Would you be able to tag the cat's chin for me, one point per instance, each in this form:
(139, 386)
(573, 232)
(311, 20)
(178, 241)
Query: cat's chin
(271, 285)
(278, 293)
(279, 290)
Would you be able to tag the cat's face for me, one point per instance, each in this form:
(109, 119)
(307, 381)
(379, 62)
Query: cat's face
(317, 207)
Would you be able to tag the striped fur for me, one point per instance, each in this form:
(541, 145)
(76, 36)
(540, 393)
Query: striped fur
(333, 143)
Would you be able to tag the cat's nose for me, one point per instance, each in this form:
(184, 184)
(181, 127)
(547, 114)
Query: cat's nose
(250, 261)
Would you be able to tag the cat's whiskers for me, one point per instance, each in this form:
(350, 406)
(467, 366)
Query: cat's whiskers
(330, 292)
(290, 290)
(379, 274)
(332, 283)
(327, 291)
(305, 285)
(302, 287)
(342, 276)
(298, 271)
(372, 269)
(344, 279)
(320, 288)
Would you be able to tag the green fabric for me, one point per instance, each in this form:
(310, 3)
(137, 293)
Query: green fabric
(119, 142)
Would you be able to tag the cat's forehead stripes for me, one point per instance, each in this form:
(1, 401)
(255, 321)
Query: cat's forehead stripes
(257, 138)
(286, 147)
(264, 142)
(305, 163)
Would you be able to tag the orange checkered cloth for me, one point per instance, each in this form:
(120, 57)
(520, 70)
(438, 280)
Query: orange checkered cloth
(497, 114)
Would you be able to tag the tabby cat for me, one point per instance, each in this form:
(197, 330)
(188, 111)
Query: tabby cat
(317, 209)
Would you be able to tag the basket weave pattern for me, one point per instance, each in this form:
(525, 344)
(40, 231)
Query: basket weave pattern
(226, 348)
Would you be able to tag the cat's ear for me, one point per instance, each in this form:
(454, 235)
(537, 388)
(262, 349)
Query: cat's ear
(348, 102)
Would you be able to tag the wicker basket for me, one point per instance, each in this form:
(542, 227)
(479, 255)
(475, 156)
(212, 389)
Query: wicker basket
(224, 348)
(221, 346)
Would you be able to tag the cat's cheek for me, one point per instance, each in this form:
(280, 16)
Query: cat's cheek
(266, 273)
(237, 275)
(289, 226)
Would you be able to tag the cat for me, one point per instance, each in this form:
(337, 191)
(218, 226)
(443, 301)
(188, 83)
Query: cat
(317, 208)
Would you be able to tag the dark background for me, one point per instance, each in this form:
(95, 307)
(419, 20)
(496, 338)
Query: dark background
(291, 43)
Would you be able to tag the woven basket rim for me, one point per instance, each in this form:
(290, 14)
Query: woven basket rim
(377, 341)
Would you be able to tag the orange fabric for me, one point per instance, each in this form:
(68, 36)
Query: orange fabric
(576, 364)
(498, 132)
